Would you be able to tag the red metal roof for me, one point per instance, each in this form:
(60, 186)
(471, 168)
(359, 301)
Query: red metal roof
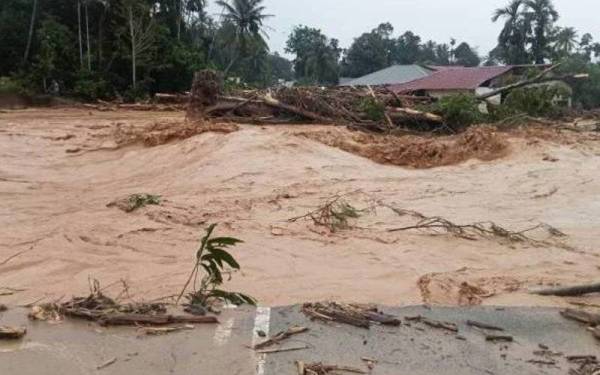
(458, 78)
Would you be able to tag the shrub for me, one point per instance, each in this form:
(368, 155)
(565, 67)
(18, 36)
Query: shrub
(458, 111)
(373, 108)
(91, 87)
(539, 101)
(10, 85)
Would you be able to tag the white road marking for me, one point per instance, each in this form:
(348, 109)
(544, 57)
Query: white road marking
(223, 332)
(261, 323)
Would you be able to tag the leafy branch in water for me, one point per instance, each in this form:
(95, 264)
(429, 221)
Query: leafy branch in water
(214, 261)
(136, 201)
(334, 214)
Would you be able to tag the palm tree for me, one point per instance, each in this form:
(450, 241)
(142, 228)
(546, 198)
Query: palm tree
(248, 17)
(513, 37)
(566, 41)
(543, 15)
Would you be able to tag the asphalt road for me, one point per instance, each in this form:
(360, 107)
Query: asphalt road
(413, 348)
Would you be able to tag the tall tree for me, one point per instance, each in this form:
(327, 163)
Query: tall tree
(317, 56)
(566, 41)
(369, 52)
(31, 29)
(464, 55)
(141, 34)
(512, 41)
(248, 17)
(542, 14)
(407, 48)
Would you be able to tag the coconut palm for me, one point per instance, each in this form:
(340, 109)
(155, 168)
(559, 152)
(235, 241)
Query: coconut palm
(543, 14)
(565, 41)
(248, 17)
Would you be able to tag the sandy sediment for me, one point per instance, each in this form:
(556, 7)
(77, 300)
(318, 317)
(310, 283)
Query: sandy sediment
(60, 168)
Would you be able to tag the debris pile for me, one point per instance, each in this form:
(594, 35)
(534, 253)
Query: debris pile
(356, 315)
(366, 108)
(99, 308)
(322, 369)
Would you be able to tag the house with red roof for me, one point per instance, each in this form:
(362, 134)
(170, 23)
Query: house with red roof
(474, 80)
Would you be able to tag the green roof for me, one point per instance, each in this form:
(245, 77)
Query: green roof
(395, 74)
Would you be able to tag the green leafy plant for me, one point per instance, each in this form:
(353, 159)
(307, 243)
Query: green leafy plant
(541, 101)
(136, 201)
(373, 108)
(459, 111)
(215, 262)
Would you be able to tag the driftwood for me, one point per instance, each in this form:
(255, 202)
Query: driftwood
(582, 316)
(140, 319)
(280, 337)
(11, 333)
(571, 291)
(321, 369)
(490, 327)
(433, 323)
(356, 315)
(496, 338)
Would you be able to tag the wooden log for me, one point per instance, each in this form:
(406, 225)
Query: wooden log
(581, 316)
(413, 113)
(12, 333)
(270, 101)
(384, 319)
(135, 319)
(570, 291)
(540, 78)
(490, 327)
(496, 338)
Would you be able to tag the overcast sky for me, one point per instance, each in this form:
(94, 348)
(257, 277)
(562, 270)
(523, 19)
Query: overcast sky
(439, 20)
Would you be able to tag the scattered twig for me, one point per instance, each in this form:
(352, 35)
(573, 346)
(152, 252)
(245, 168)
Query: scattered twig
(356, 315)
(279, 350)
(107, 363)
(486, 229)
(433, 323)
(473, 323)
(280, 337)
(157, 331)
(321, 369)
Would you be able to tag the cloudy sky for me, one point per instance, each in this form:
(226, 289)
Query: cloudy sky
(440, 20)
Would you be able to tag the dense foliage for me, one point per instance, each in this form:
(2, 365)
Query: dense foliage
(130, 49)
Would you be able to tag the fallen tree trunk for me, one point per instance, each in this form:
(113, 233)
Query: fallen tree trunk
(414, 114)
(571, 291)
(540, 78)
(270, 101)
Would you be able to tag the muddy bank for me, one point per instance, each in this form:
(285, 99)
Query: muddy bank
(60, 168)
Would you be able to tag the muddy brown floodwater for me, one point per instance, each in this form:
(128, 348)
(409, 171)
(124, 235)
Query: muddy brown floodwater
(60, 168)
